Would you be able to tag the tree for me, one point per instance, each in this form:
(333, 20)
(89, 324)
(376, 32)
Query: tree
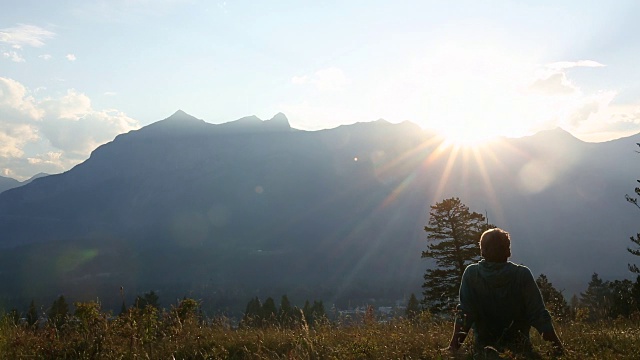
(253, 313)
(285, 314)
(32, 315)
(553, 299)
(634, 239)
(317, 312)
(622, 299)
(59, 312)
(597, 298)
(14, 316)
(453, 233)
(148, 299)
(269, 311)
(413, 308)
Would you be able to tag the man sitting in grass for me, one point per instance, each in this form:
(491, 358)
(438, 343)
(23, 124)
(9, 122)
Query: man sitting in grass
(500, 301)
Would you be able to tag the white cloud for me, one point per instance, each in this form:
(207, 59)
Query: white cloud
(560, 65)
(71, 57)
(553, 84)
(598, 118)
(77, 138)
(64, 130)
(110, 93)
(328, 79)
(72, 106)
(45, 57)
(21, 35)
(13, 56)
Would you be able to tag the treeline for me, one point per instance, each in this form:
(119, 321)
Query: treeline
(258, 314)
(601, 300)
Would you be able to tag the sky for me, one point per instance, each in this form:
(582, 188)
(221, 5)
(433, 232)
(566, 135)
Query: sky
(74, 74)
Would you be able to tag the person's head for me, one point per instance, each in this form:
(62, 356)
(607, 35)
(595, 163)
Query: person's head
(495, 245)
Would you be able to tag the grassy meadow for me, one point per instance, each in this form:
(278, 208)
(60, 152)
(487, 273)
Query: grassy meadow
(179, 333)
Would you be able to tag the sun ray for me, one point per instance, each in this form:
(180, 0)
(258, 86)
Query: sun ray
(444, 178)
(488, 186)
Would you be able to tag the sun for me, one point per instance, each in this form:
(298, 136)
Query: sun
(467, 134)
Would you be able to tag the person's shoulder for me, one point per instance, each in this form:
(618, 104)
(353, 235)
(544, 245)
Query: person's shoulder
(514, 265)
(471, 269)
(522, 270)
(473, 266)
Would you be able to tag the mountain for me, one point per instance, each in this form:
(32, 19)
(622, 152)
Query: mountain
(229, 211)
(9, 183)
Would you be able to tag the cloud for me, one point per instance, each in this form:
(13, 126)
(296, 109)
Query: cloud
(554, 84)
(552, 79)
(71, 57)
(77, 138)
(561, 65)
(597, 118)
(13, 56)
(62, 130)
(45, 57)
(25, 35)
(110, 93)
(328, 79)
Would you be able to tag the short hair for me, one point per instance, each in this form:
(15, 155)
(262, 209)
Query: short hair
(495, 245)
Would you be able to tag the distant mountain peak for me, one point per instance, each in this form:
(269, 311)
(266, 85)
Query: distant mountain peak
(181, 116)
(279, 117)
(557, 133)
(279, 120)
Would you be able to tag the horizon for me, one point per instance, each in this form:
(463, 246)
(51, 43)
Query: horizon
(76, 74)
(445, 141)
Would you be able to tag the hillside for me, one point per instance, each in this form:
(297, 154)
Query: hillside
(230, 210)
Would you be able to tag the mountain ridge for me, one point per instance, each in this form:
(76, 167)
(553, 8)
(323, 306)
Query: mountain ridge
(329, 213)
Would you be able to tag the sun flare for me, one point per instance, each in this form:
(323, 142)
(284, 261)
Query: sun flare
(467, 136)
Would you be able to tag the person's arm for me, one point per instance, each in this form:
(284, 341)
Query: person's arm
(464, 319)
(551, 336)
(460, 331)
(537, 313)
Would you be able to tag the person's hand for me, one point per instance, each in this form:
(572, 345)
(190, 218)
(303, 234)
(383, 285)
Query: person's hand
(558, 350)
(449, 349)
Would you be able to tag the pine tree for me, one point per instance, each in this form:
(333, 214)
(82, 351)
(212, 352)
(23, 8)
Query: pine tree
(148, 299)
(635, 239)
(413, 308)
(317, 312)
(622, 299)
(553, 299)
(306, 312)
(453, 233)
(32, 315)
(269, 311)
(253, 313)
(59, 312)
(597, 298)
(14, 316)
(285, 314)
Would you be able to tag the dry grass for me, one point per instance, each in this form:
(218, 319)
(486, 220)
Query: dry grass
(171, 335)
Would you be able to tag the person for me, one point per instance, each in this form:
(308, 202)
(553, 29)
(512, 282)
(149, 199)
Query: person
(500, 301)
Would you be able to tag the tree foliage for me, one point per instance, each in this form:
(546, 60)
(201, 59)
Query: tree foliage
(413, 308)
(32, 315)
(596, 299)
(264, 315)
(148, 299)
(58, 312)
(453, 235)
(553, 298)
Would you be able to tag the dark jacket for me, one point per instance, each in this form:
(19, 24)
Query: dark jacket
(501, 302)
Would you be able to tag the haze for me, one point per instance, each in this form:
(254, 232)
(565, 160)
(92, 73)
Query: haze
(73, 74)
